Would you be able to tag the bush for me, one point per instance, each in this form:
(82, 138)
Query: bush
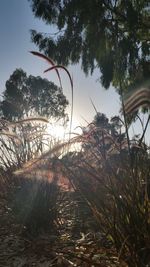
(35, 205)
(115, 183)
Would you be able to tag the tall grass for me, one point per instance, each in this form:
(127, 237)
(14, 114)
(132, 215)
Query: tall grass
(34, 199)
(111, 173)
(17, 146)
(116, 186)
(36, 205)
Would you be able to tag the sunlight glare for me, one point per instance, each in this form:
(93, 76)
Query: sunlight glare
(61, 132)
(57, 131)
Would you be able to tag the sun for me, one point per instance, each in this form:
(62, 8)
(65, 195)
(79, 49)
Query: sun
(59, 132)
(56, 131)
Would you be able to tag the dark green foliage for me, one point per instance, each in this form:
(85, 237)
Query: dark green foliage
(31, 96)
(35, 205)
(112, 36)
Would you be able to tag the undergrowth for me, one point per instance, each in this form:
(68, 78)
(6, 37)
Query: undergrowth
(111, 173)
(115, 182)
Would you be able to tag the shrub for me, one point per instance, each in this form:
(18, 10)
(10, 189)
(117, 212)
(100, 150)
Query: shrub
(115, 180)
(35, 205)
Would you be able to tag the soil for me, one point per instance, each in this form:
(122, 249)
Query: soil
(69, 247)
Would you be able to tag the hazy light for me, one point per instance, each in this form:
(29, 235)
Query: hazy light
(57, 131)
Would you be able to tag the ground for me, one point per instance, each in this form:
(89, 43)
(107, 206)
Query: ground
(19, 249)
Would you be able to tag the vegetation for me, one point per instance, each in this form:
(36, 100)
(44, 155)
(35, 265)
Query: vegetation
(24, 137)
(36, 205)
(88, 206)
(112, 36)
(27, 96)
(24, 134)
(110, 173)
(114, 180)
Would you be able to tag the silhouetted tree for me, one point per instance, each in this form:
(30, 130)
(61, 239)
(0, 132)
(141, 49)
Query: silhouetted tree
(31, 96)
(112, 36)
(102, 133)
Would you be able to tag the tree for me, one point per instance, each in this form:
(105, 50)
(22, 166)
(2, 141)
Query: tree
(31, 96)
(112, 36)
(103, 135)
(24, 97)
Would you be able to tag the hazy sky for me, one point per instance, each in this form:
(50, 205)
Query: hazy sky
(16, 20)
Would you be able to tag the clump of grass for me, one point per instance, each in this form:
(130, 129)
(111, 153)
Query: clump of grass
(115, 182)
(35, 205)
(34, 199)
(16, 145)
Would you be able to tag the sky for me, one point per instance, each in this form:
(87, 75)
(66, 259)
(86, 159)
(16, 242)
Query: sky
(16, 20)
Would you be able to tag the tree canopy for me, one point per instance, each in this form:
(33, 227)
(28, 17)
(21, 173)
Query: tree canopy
(31, 96)
(112, 36)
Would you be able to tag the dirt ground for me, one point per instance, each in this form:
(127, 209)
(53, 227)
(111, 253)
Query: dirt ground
(18, 249)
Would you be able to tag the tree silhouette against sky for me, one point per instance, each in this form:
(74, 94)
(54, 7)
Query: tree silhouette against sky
(112, 36)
